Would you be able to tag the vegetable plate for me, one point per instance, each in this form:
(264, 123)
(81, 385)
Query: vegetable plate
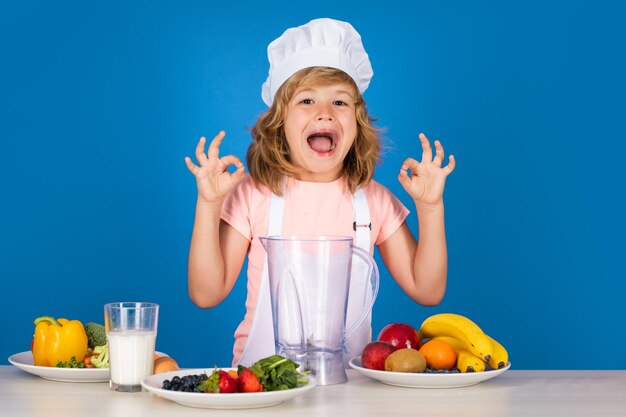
(24, 361)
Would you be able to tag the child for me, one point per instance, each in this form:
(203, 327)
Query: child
(311, 164)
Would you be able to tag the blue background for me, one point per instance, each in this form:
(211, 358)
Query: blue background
(100, 103)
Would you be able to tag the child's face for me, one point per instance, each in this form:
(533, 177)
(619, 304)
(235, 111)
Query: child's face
(320, 125)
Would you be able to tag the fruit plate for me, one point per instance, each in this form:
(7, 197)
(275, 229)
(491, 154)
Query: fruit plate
(424, 380)
(154, 383)
(24, 361)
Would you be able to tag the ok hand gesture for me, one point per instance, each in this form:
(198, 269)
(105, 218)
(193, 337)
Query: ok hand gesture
(212, 176)
(428, 177)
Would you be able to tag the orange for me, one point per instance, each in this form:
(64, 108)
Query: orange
(165, 364)
(438, 354)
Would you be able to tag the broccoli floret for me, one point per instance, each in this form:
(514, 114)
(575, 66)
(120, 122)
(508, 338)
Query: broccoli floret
(71, 364)
(95, 334)
(100, 358)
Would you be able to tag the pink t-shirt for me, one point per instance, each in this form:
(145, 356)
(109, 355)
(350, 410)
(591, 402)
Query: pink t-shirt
(311, 208)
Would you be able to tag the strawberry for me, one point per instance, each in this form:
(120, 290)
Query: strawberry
(219, 382)
(248, 381)
(227, 383)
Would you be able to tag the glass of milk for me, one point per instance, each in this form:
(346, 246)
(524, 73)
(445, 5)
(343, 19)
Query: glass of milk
(131, 329)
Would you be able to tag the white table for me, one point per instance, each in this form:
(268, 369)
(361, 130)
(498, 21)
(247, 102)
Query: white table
(514, 393)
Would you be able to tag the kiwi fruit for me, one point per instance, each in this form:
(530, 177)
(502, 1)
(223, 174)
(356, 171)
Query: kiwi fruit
(405, 360)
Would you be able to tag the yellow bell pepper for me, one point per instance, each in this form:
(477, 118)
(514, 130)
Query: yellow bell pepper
(58, 340)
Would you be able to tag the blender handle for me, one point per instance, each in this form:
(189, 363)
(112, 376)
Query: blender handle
(372, 271)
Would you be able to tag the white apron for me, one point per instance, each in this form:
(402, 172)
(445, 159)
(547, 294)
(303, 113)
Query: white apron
(260, 342)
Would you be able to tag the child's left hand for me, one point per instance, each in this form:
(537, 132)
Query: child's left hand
(428, 177)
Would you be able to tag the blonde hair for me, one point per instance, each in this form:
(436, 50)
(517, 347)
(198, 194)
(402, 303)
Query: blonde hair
(268, 156)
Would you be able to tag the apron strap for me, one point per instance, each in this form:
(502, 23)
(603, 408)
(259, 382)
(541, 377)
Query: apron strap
(360, 294)
(362, 224)
(277, 209)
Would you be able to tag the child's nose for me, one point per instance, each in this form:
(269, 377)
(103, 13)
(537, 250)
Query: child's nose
(324, 113)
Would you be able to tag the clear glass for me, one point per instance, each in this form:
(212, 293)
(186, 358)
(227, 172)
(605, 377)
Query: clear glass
(131, 329)
(310, 285)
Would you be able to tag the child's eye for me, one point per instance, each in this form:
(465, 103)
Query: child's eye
(306, 101)
(340, 103)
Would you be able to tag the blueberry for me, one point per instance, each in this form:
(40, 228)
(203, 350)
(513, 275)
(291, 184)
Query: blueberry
(167, 384)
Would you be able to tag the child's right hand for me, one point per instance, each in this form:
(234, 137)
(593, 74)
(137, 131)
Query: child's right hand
(212, 176)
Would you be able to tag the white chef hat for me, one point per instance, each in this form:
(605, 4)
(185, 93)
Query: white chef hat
(319, 43)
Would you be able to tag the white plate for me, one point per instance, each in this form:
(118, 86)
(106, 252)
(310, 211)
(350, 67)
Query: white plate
(154, 383)
(24, 361)
(424, 380)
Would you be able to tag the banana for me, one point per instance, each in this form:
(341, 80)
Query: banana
(499, 355)
(452, 341)
(466, 361)
(462, 328)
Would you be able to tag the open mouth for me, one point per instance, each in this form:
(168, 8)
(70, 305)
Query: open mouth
(322, 142)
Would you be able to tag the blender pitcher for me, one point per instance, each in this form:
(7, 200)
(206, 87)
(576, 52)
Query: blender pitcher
(310, 279)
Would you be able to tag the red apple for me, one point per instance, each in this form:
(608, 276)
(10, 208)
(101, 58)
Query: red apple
(375, 353)
(401, 336)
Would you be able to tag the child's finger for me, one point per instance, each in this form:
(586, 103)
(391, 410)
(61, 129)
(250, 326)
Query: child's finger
(439, 154)
(404, 181)
(200, 156)
(451, 165)
(190, 165)
(427, 151)
(411, 164)
(238, 174)
(232, 160)
(403, 175)
(214, 147)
